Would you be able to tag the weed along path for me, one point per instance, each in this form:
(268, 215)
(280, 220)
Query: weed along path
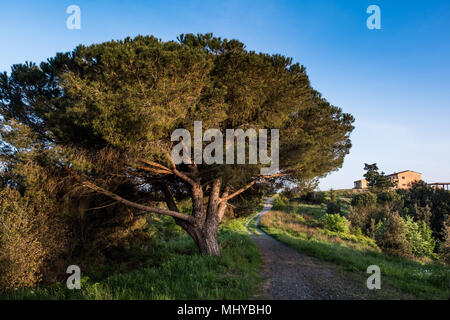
(291, 275)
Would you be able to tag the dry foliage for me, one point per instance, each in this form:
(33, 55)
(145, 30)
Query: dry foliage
(32, 238)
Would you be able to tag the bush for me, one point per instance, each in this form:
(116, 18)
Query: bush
(356, 231)
(419, 213)
(314, 197)
(334, 222)
(21, 253)
(31, 238)
(390, 235)
(365, 218)
(420, 195)
(365, 199)
(445, 244)
(391, 199)
(419, 236)
(333, 207)
(278, 203)
(333, 195)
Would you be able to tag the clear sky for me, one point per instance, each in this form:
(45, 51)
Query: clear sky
(395, 81)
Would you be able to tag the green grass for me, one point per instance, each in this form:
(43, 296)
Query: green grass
(252, 229)
(295, 207)
(251, 226)
(424, 281)
(183, 274)
(314, 210)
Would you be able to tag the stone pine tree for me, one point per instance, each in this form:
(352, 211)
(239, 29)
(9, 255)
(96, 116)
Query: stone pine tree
(103, 115)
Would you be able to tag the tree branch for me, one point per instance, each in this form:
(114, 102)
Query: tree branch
(234, 194)
(155, 164)
(179, 173)
(248, 186)
(129, 203)
(170, 201)
(165, 170)
(102, 207)
(155, 171)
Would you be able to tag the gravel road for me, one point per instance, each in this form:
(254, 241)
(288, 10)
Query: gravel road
(291, 275)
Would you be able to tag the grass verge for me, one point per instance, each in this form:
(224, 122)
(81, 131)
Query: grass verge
(424, 281)
(183, 274)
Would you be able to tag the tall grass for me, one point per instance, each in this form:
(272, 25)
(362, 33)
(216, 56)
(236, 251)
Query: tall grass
(183, 274)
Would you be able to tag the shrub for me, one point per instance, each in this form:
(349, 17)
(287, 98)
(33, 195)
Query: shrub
(34, 231)
(31, 238)
(365, 218)
(419, 213)
(333, 207)
(364, 199)
(445, 244)
(278, 203)
(21, 253)
(333, 195)
(419, 236)
(314, 197)
(356, 231)
(438, 201)
(390, 235)
(391, 199)
(334, 222)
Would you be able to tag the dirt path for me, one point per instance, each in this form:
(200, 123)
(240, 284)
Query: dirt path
(291, 275)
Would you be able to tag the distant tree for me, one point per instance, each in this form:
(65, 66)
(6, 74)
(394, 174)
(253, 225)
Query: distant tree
(391, 235)
(391, 199)
(313, 197)
(365, 199)
(333, 196)
(104, 115)
(432, 205)
(445, 244)
(377, 181)
(419, 236)
(333, 207)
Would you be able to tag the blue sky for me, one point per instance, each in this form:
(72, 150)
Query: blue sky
(395, 81)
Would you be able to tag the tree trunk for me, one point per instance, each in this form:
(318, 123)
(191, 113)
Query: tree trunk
(203, 230)
(207, 243)
(205, 239)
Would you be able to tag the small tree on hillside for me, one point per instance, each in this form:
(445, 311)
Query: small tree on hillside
(375, 180)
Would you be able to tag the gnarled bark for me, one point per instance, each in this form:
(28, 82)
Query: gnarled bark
(203, 229)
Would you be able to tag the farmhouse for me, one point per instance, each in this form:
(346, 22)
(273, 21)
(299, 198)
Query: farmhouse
(402, 180)
(360, 184)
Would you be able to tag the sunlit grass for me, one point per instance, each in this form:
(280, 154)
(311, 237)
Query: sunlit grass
(356, 253)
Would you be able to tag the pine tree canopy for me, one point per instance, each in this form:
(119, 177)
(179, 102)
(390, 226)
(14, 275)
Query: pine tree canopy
(105, 112)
